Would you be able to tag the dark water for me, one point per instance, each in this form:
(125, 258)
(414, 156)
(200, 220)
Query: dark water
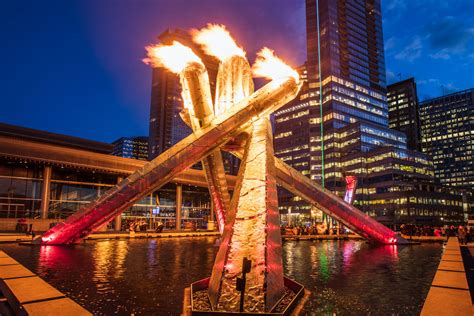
(149, 276)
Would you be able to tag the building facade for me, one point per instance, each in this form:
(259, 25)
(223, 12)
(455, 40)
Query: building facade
(166, 127)
(403, 111)
(339, 123)
(447, 129)
(135, 147)
(346, 73)
(46, 177)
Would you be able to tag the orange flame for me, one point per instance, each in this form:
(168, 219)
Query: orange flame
(217, 41)
(268, 65)
(174, 57)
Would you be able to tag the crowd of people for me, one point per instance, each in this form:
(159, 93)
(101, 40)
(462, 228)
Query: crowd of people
(464, 233)
(315, 229)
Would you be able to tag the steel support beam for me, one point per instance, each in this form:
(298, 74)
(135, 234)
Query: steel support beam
(179, 205)
(118, 219)
(46, 191)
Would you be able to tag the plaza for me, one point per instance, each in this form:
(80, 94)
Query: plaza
(262, 188)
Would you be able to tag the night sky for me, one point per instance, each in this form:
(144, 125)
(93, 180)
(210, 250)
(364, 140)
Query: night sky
(74, 67)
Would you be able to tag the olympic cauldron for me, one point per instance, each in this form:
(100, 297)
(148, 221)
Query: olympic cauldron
(248, 273)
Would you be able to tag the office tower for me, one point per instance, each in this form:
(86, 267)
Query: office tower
(345, 39)
(135, 147)
(166, 126)
(447, 128)
(403, 111)
(349, 133)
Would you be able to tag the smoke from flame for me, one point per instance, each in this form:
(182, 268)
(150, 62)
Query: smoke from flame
(217, 41)
(268, 65)
(174, 57)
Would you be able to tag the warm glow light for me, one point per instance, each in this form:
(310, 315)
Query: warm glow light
(46, 239)
(174, 57)
(216, 41)
(269, 66)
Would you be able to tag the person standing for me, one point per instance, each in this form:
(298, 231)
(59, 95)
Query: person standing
(462, 235)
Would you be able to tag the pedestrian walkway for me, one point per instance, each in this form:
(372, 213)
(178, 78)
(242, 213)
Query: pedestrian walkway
(449, 292)
(24, 293)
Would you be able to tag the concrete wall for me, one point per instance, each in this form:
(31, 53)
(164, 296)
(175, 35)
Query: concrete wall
(39, 225)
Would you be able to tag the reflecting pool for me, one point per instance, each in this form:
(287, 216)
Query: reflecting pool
(148, 276)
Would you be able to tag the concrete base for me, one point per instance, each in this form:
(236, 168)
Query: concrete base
(293, 308)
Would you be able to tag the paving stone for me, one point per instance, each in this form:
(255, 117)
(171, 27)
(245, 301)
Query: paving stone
(31, 289)
(450, 279)
(58, 307)
(451, 257)
(452, 248)
(449, 265)
(452, 251)
(453, 242)
(447, 302)
(7, 260)
(14, 271)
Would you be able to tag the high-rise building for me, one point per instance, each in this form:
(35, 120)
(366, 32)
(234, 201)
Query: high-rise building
(349, 134)
(135, 147)
(403, 111)
(447, 128)
(166, 126)
(346, 71)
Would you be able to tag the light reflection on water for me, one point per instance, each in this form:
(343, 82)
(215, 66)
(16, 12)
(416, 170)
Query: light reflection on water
(149, 276)
(354, 278)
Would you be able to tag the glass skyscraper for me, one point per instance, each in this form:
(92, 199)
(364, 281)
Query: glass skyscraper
(135, 147)
(346, 64)
(403, 111)
(448, 137)
(349, 133)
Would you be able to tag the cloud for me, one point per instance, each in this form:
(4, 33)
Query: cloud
(391, 76)
(428, 81)
(442, 54)
(432, 87)
(449, 35)
(389, 44)
(449, 88)
(397, 5)
(412, 51)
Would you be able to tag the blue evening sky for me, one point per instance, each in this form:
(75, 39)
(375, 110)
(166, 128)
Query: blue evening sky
(74, 66)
